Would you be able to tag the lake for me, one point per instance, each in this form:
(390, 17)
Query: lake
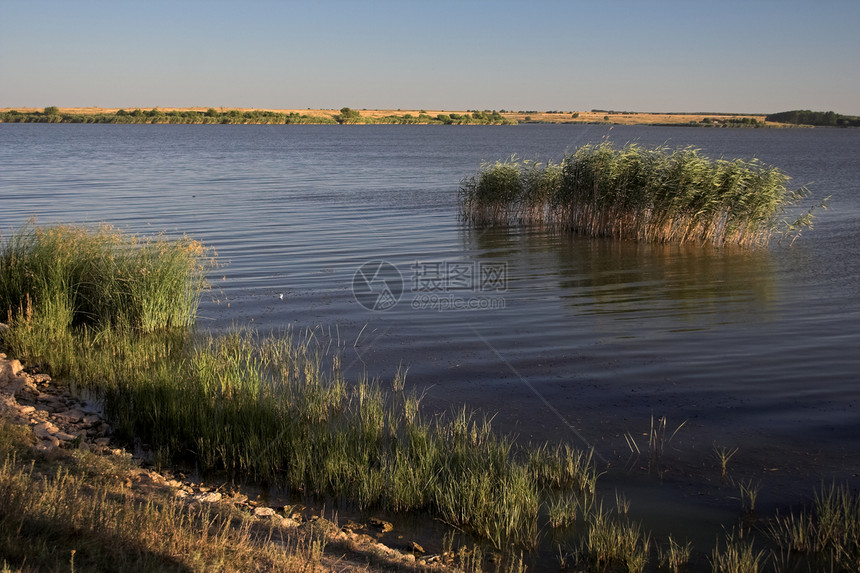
(563, 338)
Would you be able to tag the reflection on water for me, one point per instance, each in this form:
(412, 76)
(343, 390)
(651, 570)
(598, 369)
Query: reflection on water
(636, 281)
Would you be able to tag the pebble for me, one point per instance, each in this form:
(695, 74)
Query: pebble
(264, 512)
(415, 548)
(50, 442)
(65, 436)
(208, 497)
(386, 526)
(45, 429)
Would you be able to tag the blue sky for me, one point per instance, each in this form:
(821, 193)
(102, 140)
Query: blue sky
(751, 56)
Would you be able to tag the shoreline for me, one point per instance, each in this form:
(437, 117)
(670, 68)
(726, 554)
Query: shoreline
(57, 426)
(220, 115)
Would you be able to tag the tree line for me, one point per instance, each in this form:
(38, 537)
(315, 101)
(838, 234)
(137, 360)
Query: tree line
(821, 118)
(52, 114)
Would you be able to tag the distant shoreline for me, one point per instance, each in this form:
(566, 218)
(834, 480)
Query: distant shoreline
(202, 115)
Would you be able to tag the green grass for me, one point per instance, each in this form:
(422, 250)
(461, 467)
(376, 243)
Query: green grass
(70, 276)
(267, 409)
(111, 312)
(655, 195)
(614, 540)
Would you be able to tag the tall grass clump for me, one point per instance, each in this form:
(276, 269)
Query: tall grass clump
(655, 195)
(828, 535)
(99, 277)
(738, 556)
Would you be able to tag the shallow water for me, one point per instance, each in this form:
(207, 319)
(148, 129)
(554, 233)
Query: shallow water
(564, 338)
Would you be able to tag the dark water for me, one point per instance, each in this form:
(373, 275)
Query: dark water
(565, 338)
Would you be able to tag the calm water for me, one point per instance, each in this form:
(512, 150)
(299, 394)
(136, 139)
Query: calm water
(571, 338)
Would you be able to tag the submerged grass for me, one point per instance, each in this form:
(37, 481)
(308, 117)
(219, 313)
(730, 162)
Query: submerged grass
(266, 409)
(828, 535)
(655, 195)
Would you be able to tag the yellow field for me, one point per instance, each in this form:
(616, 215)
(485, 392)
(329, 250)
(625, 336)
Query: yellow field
(633, 118)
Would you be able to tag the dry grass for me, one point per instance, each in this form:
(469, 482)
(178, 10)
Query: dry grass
(633, 118)
(72, 510)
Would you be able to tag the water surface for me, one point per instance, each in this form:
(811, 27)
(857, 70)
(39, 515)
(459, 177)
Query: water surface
(566, 338)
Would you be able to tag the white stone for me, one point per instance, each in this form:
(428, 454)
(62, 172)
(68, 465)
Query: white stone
(208, 497)
(50, 442)
(264, 512)
(73, 415)
(45, 429)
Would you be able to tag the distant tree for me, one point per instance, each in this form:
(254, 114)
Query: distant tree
(52, 110)
(807, 117)
(347, 115)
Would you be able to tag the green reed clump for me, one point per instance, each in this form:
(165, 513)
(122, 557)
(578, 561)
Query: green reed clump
(738, 556)
(71, 275)
(613, 540)
(655, 195)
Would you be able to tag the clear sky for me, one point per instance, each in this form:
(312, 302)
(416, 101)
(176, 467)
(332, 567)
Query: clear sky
(747, 56)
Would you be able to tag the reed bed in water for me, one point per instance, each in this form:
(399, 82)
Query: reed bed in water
(655, 195)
